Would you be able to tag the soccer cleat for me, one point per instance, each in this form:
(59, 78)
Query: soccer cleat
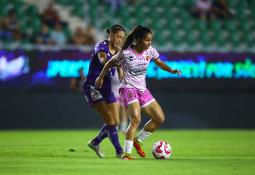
(138, 148)
(127, 156)
(119, 155)
(97, 149)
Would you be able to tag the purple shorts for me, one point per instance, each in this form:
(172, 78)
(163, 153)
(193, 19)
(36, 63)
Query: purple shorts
(94, 95)
(131, 95)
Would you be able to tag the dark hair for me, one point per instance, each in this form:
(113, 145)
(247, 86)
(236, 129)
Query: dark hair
(136, 33)
(115, 28)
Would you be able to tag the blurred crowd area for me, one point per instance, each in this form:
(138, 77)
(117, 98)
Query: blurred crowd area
(197, 24)
(45, 27)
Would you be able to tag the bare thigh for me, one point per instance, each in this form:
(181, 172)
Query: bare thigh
(155, 112)
(108, 112)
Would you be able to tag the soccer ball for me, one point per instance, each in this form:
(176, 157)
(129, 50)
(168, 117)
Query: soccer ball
(161, 150)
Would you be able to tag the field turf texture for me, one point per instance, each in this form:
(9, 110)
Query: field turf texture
(52, 152)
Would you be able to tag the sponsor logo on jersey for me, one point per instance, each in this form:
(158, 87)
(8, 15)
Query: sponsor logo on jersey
(130, 58)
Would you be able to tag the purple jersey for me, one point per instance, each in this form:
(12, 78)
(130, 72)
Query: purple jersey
(96, 66)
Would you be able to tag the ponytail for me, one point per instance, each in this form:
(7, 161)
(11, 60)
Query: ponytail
(136, 33)
(130, 38)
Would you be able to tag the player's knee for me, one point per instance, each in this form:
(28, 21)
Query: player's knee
(135, 120)
(110, 122)
(109, 119)
(161, 119)
(117, 122)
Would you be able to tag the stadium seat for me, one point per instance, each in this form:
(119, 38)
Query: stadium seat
(169, 18)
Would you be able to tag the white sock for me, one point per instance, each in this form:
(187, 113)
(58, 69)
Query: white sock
(128, 145)
(143, 135)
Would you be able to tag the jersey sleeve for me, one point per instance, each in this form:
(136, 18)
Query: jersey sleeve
(154, 53)
(101, 47)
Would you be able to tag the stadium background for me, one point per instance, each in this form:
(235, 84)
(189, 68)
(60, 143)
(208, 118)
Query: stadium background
(215, 53)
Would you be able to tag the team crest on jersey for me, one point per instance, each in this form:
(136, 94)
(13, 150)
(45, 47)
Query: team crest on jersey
(147, 57)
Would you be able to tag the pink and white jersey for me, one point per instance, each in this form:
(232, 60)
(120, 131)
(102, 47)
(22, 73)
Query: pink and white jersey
(134, 66)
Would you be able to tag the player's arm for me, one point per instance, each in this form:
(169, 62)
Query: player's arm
(113, 62)
(165, 67)
(120, 73)
(102, 57)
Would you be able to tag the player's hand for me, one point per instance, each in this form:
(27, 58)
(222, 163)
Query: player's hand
(99, 82)
(176, 71)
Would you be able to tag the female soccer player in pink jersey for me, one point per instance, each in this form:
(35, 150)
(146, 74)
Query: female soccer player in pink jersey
(134, 58)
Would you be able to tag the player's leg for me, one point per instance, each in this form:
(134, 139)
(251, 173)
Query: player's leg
(95, 98)
(131, 102)
(112, 130)
(107, 111)
(107, 116)
(111, 105)
(156, 114)
(123, 118)
(105, 105)
(116, 114)
(133, 110)
(94, 143)
(152, 109)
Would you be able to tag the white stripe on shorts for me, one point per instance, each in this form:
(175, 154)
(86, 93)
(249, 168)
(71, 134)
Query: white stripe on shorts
(135, 100)
(149, 102)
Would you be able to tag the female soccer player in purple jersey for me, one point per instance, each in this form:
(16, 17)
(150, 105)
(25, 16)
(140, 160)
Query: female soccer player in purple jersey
(102, 99)
(134, 59)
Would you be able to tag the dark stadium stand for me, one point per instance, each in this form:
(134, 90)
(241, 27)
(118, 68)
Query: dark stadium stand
(169, 19)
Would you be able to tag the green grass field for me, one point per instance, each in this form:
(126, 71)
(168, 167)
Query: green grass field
(220, 152)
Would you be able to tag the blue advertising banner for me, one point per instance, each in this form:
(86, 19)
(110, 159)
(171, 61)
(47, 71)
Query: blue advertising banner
(54, 68)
